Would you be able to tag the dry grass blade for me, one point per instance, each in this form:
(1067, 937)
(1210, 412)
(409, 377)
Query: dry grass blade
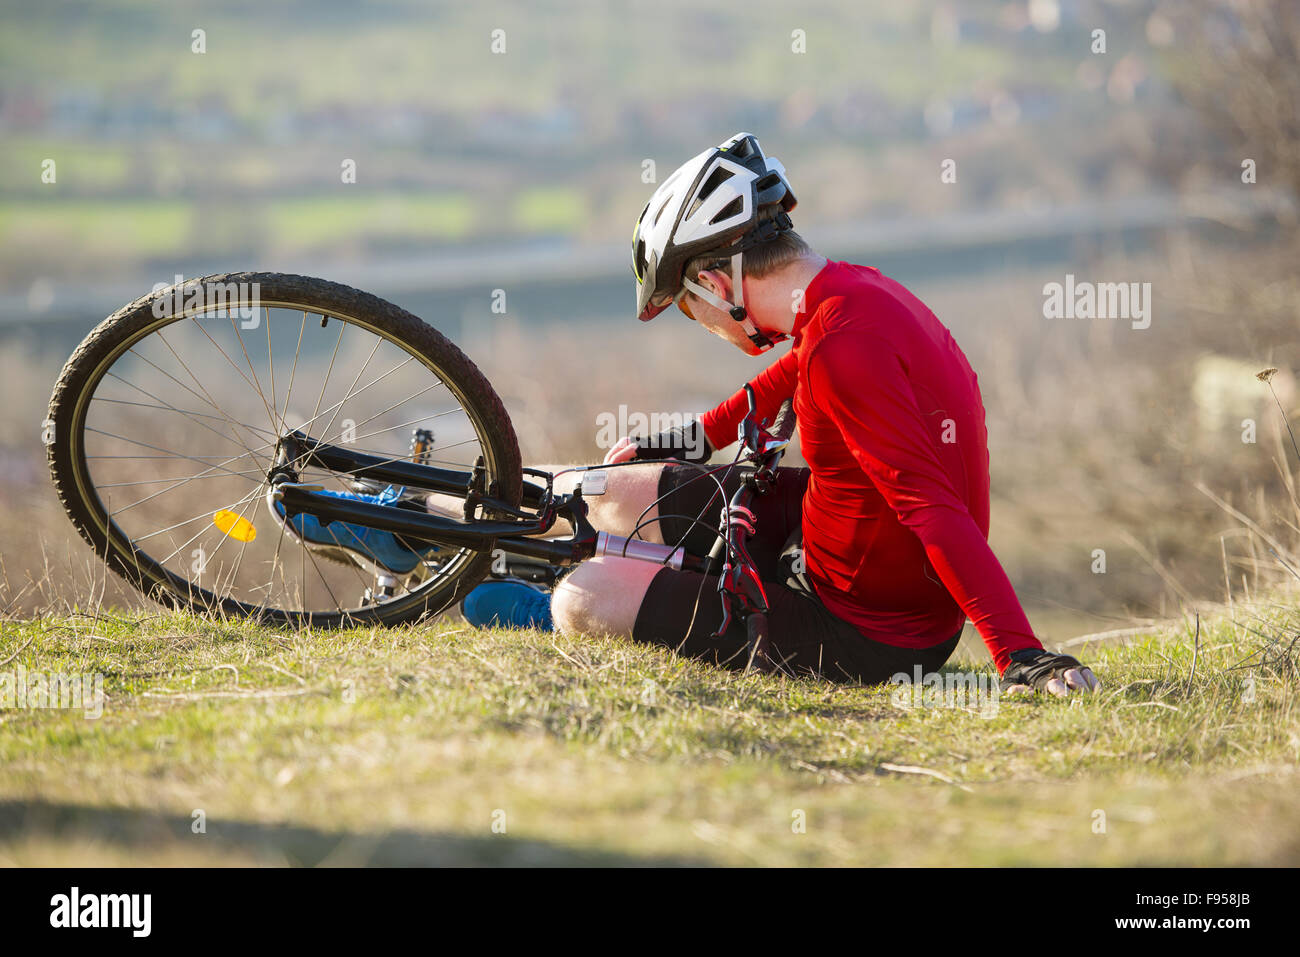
(1239, 516)
(20, 650)
(929, 772)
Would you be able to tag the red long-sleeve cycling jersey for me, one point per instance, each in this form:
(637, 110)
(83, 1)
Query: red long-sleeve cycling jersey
(891, 423)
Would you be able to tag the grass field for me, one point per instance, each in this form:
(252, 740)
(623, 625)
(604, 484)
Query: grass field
(439, 744)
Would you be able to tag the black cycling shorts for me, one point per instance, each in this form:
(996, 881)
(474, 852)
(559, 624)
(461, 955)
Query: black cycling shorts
(681, 610)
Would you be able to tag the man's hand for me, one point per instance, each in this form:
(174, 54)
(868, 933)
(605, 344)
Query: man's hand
(623, 450)
(1033, 669)
(685, 442)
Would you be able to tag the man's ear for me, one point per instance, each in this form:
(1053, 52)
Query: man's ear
(716, 281)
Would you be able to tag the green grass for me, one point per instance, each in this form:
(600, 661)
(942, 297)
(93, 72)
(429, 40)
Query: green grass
(399, 745)
(401, 50)
(316, 221)
(145, 228)
(557, 209)
(99, 167)
(151, 227)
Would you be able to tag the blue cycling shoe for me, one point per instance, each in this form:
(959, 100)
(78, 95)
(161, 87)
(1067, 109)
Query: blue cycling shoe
(378, 548)
(509, 604)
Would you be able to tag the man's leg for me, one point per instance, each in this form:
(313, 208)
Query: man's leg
(606, 592)
(628, 492)
(602, 596)
(648, 602)
(606, 595)
(681, 611)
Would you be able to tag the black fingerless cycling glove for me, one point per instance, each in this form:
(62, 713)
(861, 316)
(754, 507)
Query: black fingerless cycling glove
(1035, 667)
(686, 442)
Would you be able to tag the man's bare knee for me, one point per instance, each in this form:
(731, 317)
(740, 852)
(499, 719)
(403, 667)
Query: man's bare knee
(602, 596)
(629, 490)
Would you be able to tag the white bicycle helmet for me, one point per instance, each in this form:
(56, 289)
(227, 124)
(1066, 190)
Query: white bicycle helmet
(722, 202)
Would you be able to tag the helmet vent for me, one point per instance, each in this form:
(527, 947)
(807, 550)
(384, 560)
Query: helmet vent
(744, 149)
(733, 208)
(662, 207)
(716, 179)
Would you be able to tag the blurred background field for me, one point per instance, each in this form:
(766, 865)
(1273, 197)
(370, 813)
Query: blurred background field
(523, 171)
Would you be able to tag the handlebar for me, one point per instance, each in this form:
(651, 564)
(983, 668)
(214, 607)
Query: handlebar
(783, 426)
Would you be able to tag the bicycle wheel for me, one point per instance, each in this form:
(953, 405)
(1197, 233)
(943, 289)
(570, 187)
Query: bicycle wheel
(165, 423)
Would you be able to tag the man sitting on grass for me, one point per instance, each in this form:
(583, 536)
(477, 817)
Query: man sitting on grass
(875, 554)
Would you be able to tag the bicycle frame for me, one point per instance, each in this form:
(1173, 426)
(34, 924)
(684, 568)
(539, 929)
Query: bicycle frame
(739, 582)
(520, 533)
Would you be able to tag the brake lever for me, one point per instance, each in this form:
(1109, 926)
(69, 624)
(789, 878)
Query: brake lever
(753, 434)
(741, 588)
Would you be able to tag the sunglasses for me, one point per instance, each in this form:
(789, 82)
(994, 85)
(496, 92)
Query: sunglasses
(680, 301)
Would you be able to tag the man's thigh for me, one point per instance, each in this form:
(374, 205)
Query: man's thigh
(690, 509)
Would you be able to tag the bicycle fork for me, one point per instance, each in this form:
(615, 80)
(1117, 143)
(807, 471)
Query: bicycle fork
(739, 584)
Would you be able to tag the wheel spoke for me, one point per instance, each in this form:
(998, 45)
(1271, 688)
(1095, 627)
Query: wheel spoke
(190, 372)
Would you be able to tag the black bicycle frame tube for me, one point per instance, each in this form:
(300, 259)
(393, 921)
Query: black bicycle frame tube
(517, 537)
(397, 471)
(417, 526)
